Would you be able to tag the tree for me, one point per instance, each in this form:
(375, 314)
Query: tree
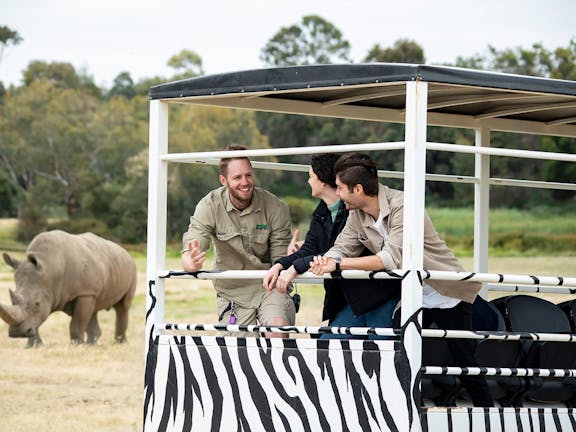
(123, 86)
(313, 41)
(187, 64)
(8, 37)
(565, 62)
(61, 75)
(403, 51)
(535, 61)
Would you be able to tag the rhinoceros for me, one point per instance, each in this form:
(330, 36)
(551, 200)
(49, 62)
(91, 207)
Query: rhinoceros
(79, 274)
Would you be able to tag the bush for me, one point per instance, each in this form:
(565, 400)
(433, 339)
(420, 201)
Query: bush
(31, 221)
(79, 226)
(527, 244)
(300, 209)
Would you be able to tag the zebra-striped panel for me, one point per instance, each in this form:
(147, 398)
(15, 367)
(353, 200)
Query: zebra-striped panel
(462, 419)
(228, 384)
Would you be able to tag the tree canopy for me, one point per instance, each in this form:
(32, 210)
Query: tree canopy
(313, 41)
(77, 152)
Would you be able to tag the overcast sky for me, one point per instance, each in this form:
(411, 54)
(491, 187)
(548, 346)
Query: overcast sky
(107, 37)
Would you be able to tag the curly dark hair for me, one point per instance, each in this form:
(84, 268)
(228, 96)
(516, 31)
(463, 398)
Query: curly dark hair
(357, 168)
(323, 167)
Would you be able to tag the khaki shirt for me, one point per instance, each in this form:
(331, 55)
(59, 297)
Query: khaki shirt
(359, 232)
(251, 239)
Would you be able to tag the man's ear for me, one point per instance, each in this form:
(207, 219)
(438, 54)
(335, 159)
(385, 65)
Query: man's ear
(222, 179)
(358, 188)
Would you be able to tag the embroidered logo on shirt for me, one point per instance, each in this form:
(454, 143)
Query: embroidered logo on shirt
(261, 226)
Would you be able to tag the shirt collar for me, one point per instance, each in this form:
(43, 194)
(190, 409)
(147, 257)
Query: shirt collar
(253, 207)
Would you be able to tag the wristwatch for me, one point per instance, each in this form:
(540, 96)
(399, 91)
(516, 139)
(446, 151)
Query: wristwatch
(337, 262)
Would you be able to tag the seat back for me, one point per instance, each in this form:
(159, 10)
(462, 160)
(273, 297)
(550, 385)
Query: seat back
(498, 353)
(569, 308)
(533, 314)
(485, 317)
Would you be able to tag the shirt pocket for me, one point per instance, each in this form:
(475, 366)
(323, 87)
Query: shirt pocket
(260, 246)
(228, 247)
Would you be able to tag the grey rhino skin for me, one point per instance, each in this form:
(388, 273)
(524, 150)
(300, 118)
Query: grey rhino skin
(79, 274)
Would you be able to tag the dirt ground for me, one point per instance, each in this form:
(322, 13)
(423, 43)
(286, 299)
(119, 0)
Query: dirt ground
(61, 387)
(64, 387)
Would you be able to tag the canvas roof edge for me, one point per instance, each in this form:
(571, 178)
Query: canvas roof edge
(338, 75)
(300, 90)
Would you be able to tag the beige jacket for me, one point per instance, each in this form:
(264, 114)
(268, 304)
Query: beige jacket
(250, 239)
(359, 233)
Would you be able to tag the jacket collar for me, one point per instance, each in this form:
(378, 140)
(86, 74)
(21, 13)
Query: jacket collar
(382, 204)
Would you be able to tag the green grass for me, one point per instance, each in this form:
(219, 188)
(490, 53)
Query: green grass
(512, 232)
(460, 221)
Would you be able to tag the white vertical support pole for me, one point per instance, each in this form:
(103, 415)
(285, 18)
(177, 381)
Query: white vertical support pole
(157, 207)
(482, 206)
(413, 238)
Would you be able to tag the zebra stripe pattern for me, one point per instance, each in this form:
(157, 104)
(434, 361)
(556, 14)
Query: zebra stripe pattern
(258, 384)
(201, 383)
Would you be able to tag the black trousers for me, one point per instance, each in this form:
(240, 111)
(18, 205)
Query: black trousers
(463, 350)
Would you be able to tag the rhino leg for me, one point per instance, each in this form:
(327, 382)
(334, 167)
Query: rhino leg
(122, 309)
(81, 315)
(93, 330)
(34, 341)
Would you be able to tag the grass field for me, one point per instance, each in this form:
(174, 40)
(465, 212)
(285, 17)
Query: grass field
(60, 387)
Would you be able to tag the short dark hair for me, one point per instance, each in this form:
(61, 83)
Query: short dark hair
(356, 168)
(323, 167)
(225, 161)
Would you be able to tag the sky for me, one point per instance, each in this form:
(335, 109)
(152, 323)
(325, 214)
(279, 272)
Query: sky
(106, 37)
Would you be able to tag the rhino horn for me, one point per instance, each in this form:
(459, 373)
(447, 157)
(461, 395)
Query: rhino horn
(13, 315)
(16, 298)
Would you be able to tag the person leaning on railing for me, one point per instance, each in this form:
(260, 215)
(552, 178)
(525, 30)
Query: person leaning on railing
(376, 222)
(250, 228)
(347, 303)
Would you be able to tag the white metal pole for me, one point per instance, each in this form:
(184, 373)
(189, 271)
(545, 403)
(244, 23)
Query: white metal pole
(482, 205)
(157, 207)
(413, 237)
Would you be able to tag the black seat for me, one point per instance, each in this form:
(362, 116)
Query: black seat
(525, 313)
(498, 354)
(440, 389)
(569, 308)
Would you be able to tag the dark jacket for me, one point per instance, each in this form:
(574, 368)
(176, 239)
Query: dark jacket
(362, 295)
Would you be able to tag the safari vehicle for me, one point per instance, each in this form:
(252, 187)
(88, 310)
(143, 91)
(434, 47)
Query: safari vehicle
(210, 382)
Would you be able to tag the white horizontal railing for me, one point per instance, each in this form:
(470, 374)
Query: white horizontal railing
(199, 157)
(367, 331)
(557, 281)
(213, 158)
(489, 371)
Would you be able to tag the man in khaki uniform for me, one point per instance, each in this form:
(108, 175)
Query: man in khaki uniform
(376, 221)
(250, 228)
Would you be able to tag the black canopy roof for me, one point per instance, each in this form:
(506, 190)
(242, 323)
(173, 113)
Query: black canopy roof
(457, 97)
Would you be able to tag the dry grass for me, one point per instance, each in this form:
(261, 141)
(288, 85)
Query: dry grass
(60, 387)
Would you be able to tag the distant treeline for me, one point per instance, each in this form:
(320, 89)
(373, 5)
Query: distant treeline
(77, 153)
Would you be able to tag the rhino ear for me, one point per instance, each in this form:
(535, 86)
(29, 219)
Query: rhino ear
(32, 258)
(11, 261)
